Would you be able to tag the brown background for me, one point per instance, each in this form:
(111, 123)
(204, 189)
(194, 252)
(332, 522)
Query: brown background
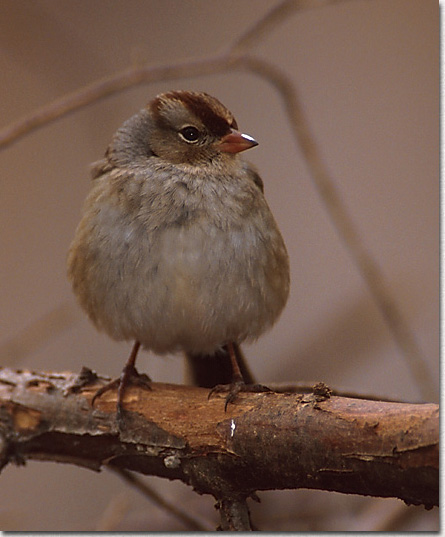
(368, 75)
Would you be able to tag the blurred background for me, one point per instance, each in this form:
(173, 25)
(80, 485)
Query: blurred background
(368, 76)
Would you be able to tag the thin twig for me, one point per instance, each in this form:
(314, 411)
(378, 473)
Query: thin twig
(337, 211)
(380, 515)
(189, 522)
(37, 334)
(273, 18)
(114, 513)
(105, 87)
(140, 74)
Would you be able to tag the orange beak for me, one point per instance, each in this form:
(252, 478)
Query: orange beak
(234, 142)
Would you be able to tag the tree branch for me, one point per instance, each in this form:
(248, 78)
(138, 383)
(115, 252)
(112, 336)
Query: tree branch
(263, 442)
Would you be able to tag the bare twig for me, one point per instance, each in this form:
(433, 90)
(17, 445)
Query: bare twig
(336, 209)
(113, 514)
(37, 334)
(106, 87)
(379, 515)
(191, 523)
(273, 18)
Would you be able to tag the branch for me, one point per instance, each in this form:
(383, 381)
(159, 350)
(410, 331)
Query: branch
(133, 76)
(265, 441)
(177, 511)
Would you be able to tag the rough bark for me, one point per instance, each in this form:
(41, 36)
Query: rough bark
(264, 441)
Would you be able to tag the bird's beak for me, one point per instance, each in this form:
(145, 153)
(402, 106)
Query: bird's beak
(234, 142)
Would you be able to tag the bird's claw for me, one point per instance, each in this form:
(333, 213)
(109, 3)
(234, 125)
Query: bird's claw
(233, 389)
(129, 376)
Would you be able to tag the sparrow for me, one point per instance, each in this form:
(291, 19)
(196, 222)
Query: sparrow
(177, 249)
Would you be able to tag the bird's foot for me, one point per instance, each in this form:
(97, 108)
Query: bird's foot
(235, 387)
(86, 377)
(129, 376)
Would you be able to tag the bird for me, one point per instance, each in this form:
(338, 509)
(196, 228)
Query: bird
(177, 249)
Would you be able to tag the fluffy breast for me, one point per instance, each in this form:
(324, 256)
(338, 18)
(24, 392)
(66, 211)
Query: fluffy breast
(189, 269)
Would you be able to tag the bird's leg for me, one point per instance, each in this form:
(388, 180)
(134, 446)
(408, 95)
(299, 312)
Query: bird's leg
(129, 375)
(236, 371)
(208, 370)
(237, 385)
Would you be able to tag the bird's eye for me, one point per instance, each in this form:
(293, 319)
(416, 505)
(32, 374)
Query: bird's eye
(190, 134)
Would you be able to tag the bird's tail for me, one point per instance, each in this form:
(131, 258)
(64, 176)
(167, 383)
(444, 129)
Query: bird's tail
(208, 370)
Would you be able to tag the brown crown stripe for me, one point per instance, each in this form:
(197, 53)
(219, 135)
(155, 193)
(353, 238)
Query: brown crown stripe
(213, 114)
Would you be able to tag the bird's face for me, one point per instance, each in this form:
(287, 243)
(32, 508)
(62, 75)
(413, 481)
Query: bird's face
(194, 128)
